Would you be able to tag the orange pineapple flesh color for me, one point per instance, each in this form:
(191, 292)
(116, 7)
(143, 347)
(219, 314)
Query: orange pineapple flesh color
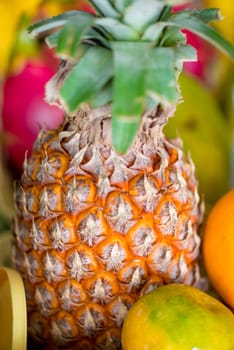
(95, 230)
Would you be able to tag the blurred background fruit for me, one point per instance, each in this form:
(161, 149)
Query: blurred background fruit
(201, 125)
(10, 14)
(25, 111)
(178, 317)
(218, 247)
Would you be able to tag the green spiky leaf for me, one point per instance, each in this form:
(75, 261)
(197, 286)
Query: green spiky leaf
(51, 23)
(185, 53)
(117, 30)
(172, 37)
(103, 96)
(52, 39)
(72, 34)
(196, 25)
(93, 36)
(141, 14)
(207, 15)
(165, 14)
(88, 76)
(121, 5)
(105, 8)
(154, 32)
(161, 84)
(175, 2)
(131, 54)
(130, 60)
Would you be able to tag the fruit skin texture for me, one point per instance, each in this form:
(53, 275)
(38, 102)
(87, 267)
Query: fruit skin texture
(95, 230)
(218, 247)
(178, 317)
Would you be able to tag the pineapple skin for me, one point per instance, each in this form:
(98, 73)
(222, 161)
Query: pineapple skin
(95, 230)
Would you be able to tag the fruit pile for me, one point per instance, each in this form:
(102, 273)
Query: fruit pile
(107, 210)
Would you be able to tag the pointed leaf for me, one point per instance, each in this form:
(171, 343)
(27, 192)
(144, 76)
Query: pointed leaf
(103, 96)
(72, 33)
(117, 30)
(121, 5)
(153, 32)
(161, 82)
(175, 2)
(172, 36)
(194, 24)
(104, 8)
(185, 53)
(130, 60)
(101, 31)
(52, 39)
(93, 36)
(165, 14)
(51, 23)
(141, 13)
(87, 77)
(207, 15)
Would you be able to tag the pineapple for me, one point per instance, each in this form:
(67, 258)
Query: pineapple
(107, 207)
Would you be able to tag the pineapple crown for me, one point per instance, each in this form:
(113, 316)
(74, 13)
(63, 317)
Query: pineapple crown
(128, 54)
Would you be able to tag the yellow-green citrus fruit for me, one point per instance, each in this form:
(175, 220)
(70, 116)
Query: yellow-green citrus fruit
(178, 317)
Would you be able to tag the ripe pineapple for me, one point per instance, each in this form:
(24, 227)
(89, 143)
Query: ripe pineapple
(107, 207)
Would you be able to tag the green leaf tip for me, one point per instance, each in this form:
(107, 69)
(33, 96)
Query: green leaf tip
(195, 21)
(50, 23)
(88, 76)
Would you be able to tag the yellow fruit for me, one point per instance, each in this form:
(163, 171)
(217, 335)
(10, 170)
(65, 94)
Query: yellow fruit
(218, 247)
(10, 13)
(178, 317)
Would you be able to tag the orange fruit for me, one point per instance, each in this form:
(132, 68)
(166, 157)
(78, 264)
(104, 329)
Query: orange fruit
(218, 247)
(178, 317)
